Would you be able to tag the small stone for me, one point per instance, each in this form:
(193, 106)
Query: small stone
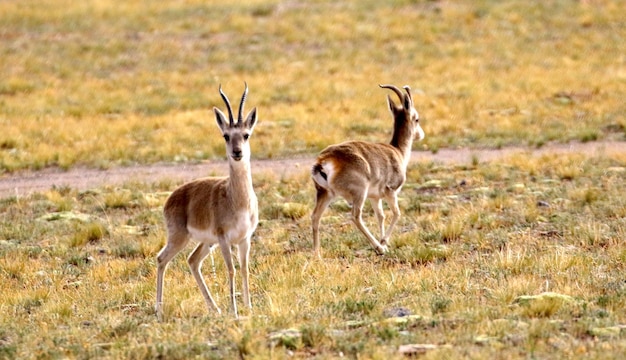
(104, 346)
(133, 230)
(606, 332)
(519, 187)
(542, 203)
(73, 284)
(353, 324)
(285, 336)
(431, 184)
(401, 320)
(415, 349)
(545, 296)
(485, 340)
(285, 333)
(616, 169)
(396, 312)
(66, 215)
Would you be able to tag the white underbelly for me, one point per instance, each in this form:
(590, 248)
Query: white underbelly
(242, 226)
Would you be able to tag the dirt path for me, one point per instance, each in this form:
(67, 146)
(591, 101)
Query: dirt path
(24, 183)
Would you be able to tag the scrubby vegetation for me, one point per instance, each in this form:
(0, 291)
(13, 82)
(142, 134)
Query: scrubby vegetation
(105, 84)
(521, 257)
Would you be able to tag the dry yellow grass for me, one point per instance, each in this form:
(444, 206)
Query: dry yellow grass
(518, 262)
(103, 84)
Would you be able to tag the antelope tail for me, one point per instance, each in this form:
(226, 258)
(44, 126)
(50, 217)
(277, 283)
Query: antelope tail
(319, 176)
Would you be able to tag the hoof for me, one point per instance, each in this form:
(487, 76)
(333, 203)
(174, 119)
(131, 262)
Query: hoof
(382, 249)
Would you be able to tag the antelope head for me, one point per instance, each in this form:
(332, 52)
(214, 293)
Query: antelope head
(405, 114)
(236, 134)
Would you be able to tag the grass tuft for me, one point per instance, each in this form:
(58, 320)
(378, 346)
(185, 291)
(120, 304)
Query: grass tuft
(89, 233)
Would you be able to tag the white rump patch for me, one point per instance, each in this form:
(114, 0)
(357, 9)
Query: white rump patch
(329, 170)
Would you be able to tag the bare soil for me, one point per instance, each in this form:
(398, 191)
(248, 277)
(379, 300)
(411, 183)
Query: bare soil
(26, 182)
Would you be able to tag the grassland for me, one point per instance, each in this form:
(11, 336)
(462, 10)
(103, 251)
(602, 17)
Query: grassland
(516, 258)
(78, 271)
(105, 84)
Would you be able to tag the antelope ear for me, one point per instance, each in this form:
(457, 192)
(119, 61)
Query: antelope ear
(220, 118)
(392, 106)
(407, 102)
(251, 119)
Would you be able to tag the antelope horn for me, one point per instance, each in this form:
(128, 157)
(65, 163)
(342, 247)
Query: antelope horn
(395, 89)
(243, 100)
(230, 111)
(408, 91)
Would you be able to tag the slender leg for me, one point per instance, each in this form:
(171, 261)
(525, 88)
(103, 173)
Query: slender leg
(244, 255)
(228, 260)
(195, 263)
(322, 201)
(377, 205)
(357, 208)
(393, 204)
(176, 241)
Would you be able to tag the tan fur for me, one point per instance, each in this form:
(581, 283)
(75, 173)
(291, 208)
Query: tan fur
(357, 170)
(215, 211)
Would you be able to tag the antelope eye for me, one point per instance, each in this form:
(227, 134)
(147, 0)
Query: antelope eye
(246, 136)
(227, 137)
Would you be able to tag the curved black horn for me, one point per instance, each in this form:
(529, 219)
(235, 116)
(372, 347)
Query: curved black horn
(395, 89)
(230, 111)
(243, 100)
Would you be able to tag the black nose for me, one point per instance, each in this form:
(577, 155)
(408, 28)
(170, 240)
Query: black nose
(237, 154)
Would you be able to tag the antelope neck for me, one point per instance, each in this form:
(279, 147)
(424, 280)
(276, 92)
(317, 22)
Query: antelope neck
(240, 180)
(402, 140)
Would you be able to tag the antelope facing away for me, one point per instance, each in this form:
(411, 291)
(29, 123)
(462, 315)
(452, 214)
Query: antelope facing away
(215, 211)
(357, 170)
